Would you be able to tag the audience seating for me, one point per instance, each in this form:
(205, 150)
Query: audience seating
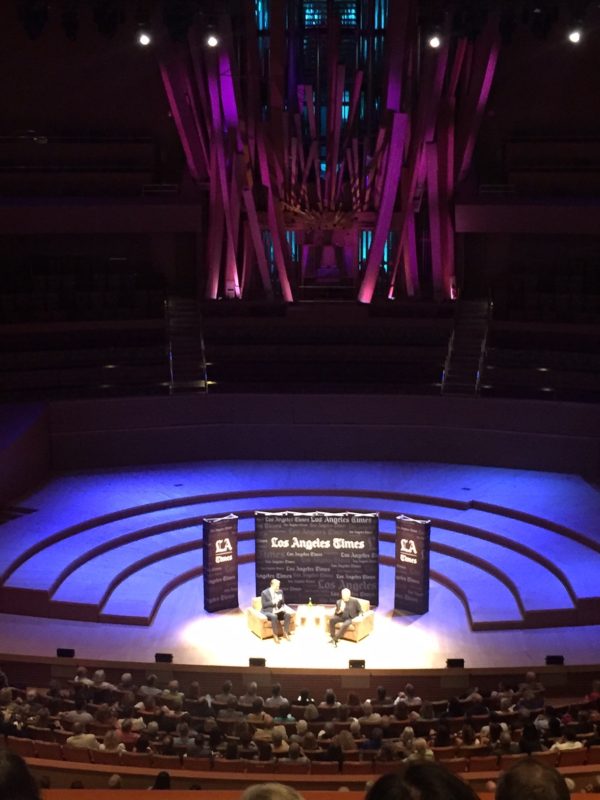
(572, 758)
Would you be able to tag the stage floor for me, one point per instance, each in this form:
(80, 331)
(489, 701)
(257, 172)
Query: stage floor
(180, 626)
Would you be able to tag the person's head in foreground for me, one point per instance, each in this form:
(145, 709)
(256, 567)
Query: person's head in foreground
(16, 781)
(531, 779)
(270, 791)
(426, 780)
(162, 781)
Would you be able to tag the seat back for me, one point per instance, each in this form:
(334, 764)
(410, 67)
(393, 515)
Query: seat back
(506, 761)
(80, 754)
(106, 757)
(199, 763)
(22, 747)
(51, 750)
(356, 767)
(572, 758)
(291, 768)
(383, 767)
(166, 762)
(324, 767)
(483, 763)
(594, 754)
(456, 764)
(136, 759)
(549, 757)
(260, 766)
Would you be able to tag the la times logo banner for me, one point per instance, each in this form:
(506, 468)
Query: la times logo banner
(408, 551)
(223, 551)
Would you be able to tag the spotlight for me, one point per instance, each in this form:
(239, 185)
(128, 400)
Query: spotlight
(574, 35)
(212, 40)
(434, 41)
(144, 38)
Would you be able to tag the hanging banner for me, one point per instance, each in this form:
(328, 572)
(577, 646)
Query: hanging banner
(220, 563)
(412, 565)
(316, 554)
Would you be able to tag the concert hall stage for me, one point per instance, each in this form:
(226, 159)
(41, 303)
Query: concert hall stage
(113, 559)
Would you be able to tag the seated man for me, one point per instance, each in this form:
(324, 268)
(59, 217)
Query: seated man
(346, 609)
(274, 608)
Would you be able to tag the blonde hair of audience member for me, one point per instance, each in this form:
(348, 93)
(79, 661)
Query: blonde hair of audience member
(421, 749)
(270, 791)
(407, 739)
(112, 743)
(115, 782)
(346, 740)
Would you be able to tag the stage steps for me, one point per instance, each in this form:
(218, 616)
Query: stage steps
(109, 549)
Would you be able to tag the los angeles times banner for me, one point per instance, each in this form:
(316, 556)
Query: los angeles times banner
(412, 565)
(316, 554)
(220, 563)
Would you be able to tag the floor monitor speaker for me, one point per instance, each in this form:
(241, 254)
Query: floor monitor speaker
(356, 663)
(163, 658)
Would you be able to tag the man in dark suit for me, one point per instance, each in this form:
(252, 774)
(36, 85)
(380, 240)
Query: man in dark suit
(346, 609)
(273, 606)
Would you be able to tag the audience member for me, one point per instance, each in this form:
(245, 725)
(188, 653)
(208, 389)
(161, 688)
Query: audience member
(530, 741)
(294, 755)
(162, 781)
(408, 696)
(276, 698)
(226, 694)
(568, 741)
(79, 713)
(126, 683)
(270, 791)
(251, 695)
(304, 698)
(16, 781)
(420, 751)
(172, 692)
(111, 743)
(82, 739)
(531, 779)
(426, 780)
(150, 687)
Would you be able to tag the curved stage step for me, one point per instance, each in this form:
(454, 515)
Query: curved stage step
(508, 567)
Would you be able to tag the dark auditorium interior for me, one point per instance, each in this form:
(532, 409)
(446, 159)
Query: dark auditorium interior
(303, 257)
